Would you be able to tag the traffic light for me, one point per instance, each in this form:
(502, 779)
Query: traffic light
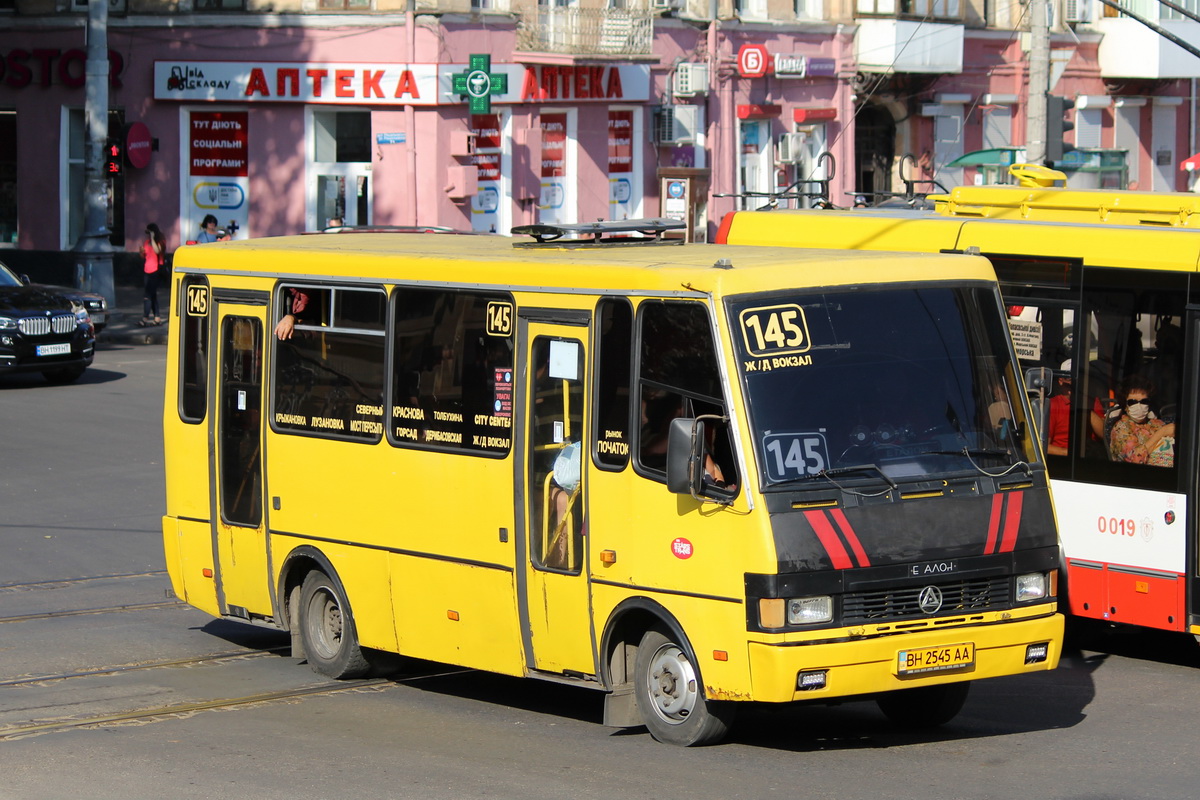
(114, 159)
(1056, 127)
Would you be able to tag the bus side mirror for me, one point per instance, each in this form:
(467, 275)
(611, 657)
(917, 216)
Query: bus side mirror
(685, 456)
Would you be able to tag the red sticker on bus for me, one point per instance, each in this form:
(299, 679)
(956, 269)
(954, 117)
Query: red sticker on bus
(681, 548)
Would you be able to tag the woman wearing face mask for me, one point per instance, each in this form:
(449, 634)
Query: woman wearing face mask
(1139, 438)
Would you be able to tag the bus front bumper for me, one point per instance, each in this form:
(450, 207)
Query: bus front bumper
(863, 666)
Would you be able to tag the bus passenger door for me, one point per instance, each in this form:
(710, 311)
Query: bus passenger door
(552, 511)
(239, 528)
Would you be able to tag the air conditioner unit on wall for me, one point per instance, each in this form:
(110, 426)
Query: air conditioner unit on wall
(691, 79)
(790, 149)
(1076, 11)
(676, 125)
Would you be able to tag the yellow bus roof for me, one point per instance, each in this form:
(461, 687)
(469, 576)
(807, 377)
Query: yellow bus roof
(1095, 244)
(493, 261)
(1095, 206)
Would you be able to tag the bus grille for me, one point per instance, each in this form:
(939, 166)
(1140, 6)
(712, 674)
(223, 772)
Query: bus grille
(958, 597)
(40, 326)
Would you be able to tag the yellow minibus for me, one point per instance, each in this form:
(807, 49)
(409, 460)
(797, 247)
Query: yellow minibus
(688, 476)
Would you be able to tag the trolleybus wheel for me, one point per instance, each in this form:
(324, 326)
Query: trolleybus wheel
(925, 706)
(327, 629)
(670, 697)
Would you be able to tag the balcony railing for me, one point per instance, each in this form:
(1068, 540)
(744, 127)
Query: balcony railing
(586, 31)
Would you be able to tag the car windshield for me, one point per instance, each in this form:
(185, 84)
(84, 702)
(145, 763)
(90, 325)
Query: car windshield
(879, 383)
(7, 278)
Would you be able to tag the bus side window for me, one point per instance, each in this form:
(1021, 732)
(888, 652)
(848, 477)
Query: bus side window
(614, 362)
(678, 376)
(193, 349)
(329, 364)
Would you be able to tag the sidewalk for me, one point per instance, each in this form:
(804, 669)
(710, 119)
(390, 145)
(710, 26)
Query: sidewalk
(123, 328)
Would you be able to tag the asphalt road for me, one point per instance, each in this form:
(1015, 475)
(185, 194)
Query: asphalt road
(111, 689)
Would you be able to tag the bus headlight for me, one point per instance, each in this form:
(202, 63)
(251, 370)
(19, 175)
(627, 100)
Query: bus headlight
(774, 612)
(808, 610)
(1031, 587)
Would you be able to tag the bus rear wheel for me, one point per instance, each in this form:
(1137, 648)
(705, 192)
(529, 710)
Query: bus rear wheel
(670, 697)
(327, 629)
(926, 706)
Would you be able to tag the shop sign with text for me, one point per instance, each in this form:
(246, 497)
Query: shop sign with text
(392, 84)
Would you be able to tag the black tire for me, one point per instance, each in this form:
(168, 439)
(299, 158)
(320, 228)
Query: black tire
(670, 695)
(327, 629)
(924, 707)
(63, 374)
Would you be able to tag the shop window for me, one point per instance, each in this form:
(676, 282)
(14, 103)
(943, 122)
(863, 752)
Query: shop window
(8, 176)
(452, 371)
(342, 136)
(329, 372)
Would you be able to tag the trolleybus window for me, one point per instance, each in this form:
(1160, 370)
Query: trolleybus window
(329, 373)
(452, 380)
(876, 384)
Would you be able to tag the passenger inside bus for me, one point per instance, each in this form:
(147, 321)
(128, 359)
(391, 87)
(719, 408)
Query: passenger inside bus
(1138, 436)
(1058, 436)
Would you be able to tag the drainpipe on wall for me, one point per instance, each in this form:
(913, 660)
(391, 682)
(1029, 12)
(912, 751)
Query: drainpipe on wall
(410, 114)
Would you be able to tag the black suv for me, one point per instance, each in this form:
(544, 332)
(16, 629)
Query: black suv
(43, 329)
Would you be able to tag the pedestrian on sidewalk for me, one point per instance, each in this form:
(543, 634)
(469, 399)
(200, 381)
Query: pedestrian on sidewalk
(153, 251)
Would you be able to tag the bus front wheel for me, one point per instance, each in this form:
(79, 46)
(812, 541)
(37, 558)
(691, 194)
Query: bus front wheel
(925, 706)
(327, 629)
(670, 697)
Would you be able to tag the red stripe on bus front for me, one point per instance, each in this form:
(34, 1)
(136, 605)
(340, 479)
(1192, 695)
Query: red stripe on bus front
(848, 534)
(830, 540)
(1012, 521)
(994, 524)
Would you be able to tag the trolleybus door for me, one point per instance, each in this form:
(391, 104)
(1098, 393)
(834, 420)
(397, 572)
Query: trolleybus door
(552, 510)
(239, 524)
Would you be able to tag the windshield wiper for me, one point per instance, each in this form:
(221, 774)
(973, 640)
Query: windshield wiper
(968, 452)
(825, 473)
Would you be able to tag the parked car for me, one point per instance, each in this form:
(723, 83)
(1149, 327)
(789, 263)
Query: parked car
(45, 329)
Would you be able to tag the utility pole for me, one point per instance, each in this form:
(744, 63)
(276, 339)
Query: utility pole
(1039, 81)
(93, 252)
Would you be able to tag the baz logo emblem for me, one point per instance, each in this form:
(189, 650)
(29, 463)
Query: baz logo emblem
(930, 600)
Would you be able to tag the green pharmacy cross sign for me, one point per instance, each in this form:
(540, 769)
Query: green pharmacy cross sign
(478, 83)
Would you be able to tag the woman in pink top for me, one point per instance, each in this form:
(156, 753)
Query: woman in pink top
(153, 250)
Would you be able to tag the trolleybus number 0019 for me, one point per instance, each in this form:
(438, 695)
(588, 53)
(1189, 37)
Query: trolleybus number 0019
(1116, 526)
(935, 659)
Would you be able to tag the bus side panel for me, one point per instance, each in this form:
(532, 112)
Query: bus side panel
(457, 614)
(188, 548)
(364, 576)
(715, 629)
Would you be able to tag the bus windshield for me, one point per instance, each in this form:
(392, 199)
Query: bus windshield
(879, 383)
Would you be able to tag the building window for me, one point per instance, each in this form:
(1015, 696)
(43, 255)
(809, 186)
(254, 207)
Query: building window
(219, 5)
(345, 5)
(114, 6)
(810, 9)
